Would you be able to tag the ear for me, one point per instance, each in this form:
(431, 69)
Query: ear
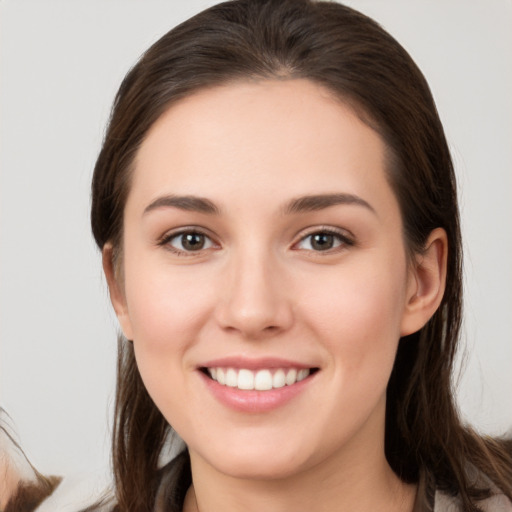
(116, 290)
(426, 284)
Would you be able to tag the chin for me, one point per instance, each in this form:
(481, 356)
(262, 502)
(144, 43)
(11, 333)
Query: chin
(259, 460)
(259, 468)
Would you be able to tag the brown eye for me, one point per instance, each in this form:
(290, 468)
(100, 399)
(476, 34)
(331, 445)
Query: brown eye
(322, 241)
(189, 241)
(192, 241)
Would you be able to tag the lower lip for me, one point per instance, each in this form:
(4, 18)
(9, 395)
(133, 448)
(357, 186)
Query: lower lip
(254, 401)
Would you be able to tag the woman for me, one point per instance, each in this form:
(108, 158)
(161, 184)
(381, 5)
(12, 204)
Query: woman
(276, 207)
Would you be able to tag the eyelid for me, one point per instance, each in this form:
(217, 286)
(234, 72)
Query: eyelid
(174, 233)
(347, 239)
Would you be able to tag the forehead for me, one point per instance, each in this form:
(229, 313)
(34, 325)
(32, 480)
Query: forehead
(241, 138)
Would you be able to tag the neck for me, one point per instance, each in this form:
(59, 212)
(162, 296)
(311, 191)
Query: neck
(352, 492)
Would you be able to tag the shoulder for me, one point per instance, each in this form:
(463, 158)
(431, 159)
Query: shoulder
(496, 503)
(432, 499)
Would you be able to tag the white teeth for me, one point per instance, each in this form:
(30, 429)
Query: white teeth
(231, 378)
(302, 374)
(279, 379)
(261, 380)
(245, 379)
(291, 377)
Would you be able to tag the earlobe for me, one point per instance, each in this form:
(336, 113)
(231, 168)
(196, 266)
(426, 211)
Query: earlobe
(116, 291)
(427, 282)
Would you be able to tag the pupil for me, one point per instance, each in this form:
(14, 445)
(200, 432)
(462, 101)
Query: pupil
(193, 241)
(322, 242)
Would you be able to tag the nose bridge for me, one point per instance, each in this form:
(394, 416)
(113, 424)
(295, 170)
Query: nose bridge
(254, 301)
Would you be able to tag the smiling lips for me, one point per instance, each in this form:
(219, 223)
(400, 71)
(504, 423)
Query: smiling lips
(260, 380)
(256, 385)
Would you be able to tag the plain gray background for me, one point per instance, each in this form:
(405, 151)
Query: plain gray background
(61, 63)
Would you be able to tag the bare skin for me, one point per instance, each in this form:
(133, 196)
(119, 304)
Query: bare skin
(385, 493)
(9, 481)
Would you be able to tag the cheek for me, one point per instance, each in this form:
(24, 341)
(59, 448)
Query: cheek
(166, 315)
(359, 299)
(358, 323)
(358, 316)
(165, 306)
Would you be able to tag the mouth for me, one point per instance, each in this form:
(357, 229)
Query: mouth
(263, 379)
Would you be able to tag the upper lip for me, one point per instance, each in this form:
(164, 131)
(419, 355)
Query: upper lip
(254, 363)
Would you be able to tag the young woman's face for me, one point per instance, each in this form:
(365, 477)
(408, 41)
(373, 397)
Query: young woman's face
(265, 278)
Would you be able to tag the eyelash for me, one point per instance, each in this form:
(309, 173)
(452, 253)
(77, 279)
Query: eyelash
(343, 240)
(165, 241)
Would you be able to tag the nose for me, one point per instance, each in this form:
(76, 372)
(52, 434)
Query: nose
(255, 301)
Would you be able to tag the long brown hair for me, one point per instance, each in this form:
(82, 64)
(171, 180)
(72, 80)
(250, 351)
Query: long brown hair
(363, 65)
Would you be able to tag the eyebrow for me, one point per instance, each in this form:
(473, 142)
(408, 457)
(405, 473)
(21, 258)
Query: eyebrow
(187, 203)
(320, 201)
(301, 204)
